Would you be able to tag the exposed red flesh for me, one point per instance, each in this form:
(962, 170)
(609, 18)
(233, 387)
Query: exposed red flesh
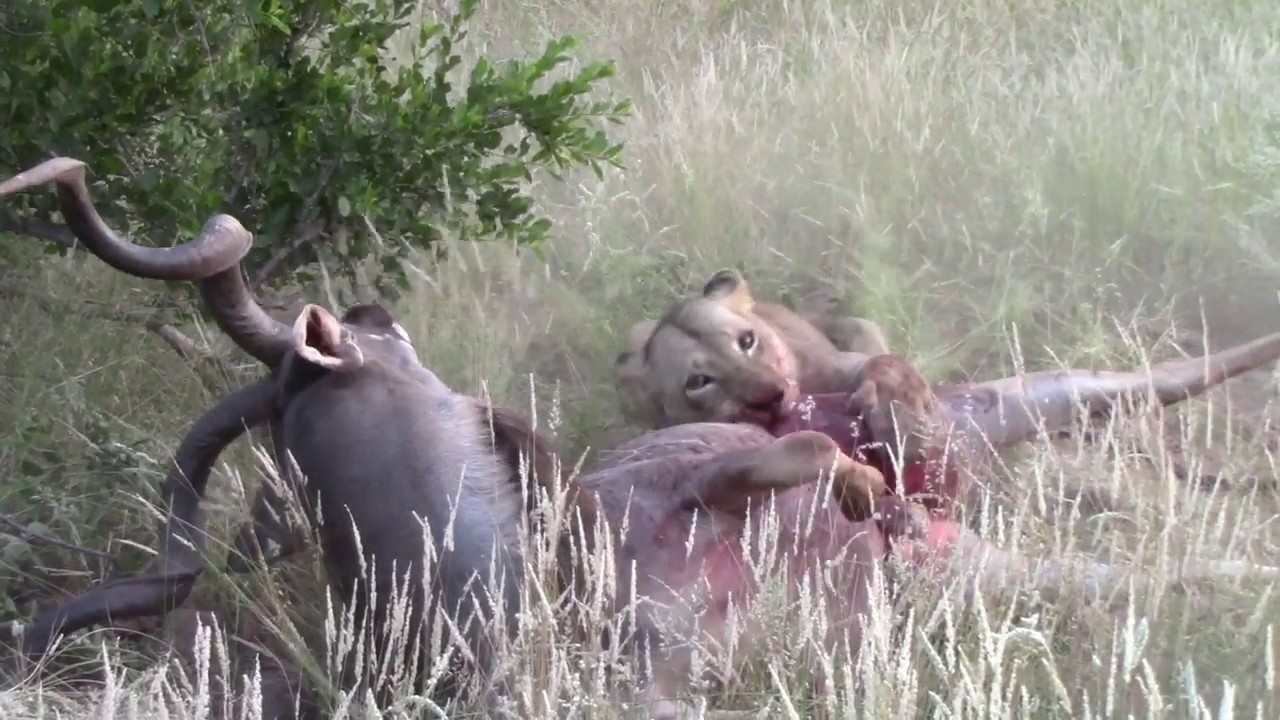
(827, 413)
(941, 540)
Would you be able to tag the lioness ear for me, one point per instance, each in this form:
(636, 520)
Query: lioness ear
(727, 283)
(631, 371)
(320, 339)
(640, 334)
(629, 365)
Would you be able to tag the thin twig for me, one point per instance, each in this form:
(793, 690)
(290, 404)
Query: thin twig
(204, 35)
(29, 535)
(269, 269)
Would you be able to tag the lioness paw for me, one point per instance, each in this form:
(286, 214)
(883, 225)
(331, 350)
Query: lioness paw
(799, 458)
(896, 404)
(898, 517)
(858, 490)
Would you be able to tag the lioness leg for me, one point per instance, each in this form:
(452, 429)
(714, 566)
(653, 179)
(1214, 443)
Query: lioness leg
(839, 372)
(267, 537)
(855, 335)
(856, 341)
(271, 535)
(851, 334)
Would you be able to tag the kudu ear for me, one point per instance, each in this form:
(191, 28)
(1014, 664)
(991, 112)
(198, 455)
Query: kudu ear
(321, 340)
(373, 316)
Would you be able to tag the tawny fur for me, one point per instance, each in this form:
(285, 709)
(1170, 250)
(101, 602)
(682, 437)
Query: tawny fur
(725, 357)
(702, 336)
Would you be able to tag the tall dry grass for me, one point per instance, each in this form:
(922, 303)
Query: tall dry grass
(1002, 184)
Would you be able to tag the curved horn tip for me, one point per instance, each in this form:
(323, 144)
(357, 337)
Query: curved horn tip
(224, 224)
(224, 219)
(49, 170)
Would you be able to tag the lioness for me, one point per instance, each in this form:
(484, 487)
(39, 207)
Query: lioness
(726, 357)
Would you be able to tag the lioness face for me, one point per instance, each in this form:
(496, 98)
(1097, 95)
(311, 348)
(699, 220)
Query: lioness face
(711, 360)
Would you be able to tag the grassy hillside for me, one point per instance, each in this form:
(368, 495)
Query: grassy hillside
(1001, 184)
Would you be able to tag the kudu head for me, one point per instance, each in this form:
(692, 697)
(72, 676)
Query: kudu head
(317, 347)
(317, 338)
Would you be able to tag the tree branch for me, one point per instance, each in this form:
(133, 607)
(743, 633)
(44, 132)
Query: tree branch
(209, 366)
(306, 234)
(57, 234)
(31, 535)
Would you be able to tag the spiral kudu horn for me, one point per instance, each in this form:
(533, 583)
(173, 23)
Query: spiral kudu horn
(212, 258)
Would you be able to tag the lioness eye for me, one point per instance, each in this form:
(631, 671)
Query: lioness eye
(746, 341)
(697, 382)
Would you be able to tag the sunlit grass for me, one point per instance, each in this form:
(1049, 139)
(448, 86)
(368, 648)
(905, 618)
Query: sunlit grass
(1001, 184)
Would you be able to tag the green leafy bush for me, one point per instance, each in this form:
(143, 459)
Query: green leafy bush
(294, 117)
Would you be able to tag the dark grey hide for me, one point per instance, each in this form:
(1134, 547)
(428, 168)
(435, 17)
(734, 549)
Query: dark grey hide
(379, 444)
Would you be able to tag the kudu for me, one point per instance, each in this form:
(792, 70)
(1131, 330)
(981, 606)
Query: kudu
(699, 512)
(687, 502)
(398, 474)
